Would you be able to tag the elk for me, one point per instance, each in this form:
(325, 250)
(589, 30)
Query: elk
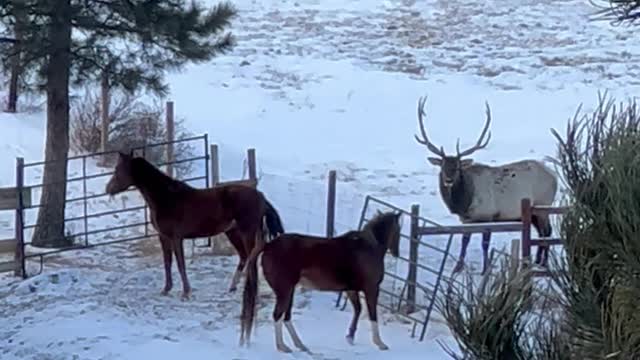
(480, 193)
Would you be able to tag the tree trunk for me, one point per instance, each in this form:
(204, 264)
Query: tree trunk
(12, 101)
(49, 231)
(16, 58)
(105, 101)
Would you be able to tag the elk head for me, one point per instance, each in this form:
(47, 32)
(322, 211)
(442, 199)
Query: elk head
(451, 166)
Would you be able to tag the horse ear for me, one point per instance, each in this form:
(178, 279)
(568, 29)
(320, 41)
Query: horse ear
(123, 155)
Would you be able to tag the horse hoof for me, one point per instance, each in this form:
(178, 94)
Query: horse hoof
(233, 289)
(303, 348)
(382, 346)
(284, 348)
(186, 296)
(164, 292)
(349, 339)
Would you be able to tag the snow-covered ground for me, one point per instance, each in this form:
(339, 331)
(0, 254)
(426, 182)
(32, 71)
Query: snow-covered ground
(314, 86)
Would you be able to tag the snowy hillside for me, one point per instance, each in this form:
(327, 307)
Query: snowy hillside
(314, 86)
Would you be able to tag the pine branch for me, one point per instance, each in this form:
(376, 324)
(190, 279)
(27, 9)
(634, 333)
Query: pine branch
(143, 39)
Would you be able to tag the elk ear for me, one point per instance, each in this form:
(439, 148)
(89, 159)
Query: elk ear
(435, 161)
(465, 163)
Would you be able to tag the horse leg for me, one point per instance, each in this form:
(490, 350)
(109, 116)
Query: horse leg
(165, 242)
(178, 250)
(371, 295)
(466, 237)
(292, 331)
(235, 238)
(357, 308)
(283, 297)
(486, 240)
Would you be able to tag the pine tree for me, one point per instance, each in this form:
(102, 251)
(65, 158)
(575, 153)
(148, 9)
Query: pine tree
(19, 22)
(71, 42)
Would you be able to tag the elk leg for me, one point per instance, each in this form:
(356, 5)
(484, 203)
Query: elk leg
(466, 237)
(292, 331)
(538, 259)
(486, 240)
(235, 238)
(545, 257)
(178, 250)
(282, 303)
(357, 308)
(543, 227)
(167, 256)
(371, 295)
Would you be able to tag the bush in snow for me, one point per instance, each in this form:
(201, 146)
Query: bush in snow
(132, 123)
(600, 162)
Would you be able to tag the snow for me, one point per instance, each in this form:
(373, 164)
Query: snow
(316, 86)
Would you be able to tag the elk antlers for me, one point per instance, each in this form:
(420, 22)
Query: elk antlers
(480, 144)
(425, 139)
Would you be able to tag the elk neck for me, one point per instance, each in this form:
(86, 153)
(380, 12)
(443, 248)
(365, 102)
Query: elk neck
(459, 196)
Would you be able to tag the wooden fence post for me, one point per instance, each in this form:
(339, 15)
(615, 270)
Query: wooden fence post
(251, 164)
(19, 259)
(170, 137)
(215, 165)
(331, 204)
(515, 256)
(526, 231)
(412, 277)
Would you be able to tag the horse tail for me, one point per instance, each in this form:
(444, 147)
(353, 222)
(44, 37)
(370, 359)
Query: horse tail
(273, 228)
(273, 221)
(250, 293)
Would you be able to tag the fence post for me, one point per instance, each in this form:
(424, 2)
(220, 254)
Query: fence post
(19, 260)
(515, 256)
(526, 231)
(170, 137)
(412, 277)
(331, 204)
(251, 163)
(215, 165)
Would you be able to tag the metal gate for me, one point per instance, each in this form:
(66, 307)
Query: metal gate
(85, 203)
(410, 286)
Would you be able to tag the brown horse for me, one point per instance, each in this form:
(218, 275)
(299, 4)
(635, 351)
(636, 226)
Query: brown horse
(351, 262)
(180, 211)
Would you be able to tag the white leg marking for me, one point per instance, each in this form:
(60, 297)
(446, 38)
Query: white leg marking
(294, 336)
(279, 339)
(375, 334)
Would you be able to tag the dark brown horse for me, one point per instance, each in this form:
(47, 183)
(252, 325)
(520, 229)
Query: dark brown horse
(180, 211)
(351, 262)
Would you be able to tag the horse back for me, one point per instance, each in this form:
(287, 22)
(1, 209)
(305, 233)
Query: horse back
(326, 264)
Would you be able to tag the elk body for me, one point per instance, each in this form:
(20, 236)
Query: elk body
(480, 193)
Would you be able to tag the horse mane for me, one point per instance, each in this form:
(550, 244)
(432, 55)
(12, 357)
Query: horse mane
(147, 172)
(375, 227)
